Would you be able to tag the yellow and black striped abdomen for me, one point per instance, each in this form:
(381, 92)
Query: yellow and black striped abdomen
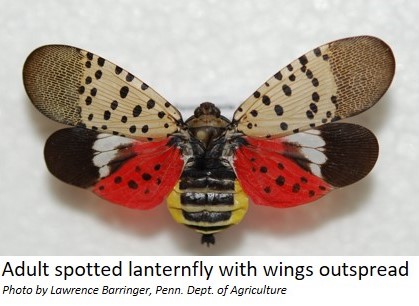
(208, 201)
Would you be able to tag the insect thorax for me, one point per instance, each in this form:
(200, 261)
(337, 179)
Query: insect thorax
(208, 196)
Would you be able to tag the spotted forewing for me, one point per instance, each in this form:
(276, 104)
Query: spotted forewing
(334, 81)
(79, 88)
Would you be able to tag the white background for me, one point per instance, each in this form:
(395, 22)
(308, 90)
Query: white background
(195, 51)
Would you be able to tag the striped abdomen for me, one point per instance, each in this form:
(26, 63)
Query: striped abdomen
(208, 198)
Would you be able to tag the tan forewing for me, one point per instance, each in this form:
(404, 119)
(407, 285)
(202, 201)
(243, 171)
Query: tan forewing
(79, 88)
(334, 81)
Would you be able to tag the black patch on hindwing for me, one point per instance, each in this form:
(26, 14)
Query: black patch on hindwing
(69, 156)
(351, 152)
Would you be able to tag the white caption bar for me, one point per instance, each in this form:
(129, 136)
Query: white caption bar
(208, 280)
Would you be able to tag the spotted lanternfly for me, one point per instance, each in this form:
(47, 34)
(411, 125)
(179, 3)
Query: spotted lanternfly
(281, 148)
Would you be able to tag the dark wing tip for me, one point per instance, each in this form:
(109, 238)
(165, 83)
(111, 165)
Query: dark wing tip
(51, 76)
(69, 156)
(363, 68)
(351, 150)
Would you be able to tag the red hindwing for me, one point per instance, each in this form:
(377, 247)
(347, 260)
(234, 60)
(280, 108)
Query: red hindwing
(145, 180)
(272, 179)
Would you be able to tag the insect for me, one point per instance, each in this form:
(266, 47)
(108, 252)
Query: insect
(282, 147)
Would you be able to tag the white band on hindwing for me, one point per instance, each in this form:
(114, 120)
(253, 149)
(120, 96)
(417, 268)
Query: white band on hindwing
(106, 149)
(311, 146)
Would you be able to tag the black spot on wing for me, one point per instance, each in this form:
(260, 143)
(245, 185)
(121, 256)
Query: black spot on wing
(303, 60)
